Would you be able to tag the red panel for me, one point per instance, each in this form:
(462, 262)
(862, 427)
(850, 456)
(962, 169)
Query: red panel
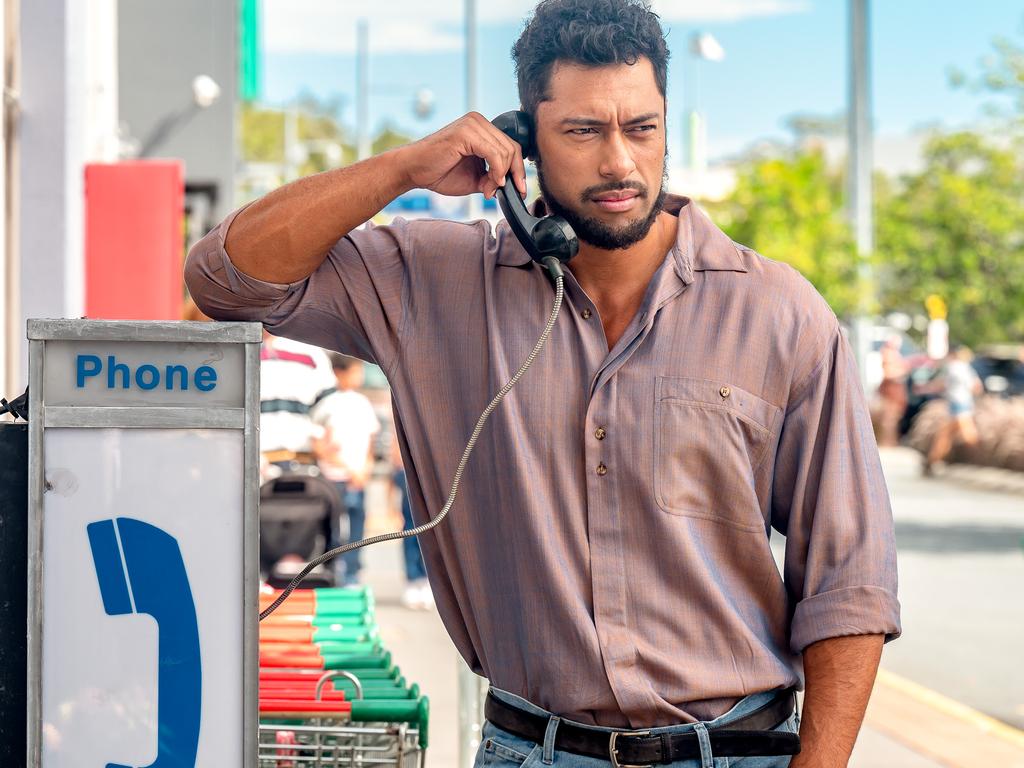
(134, 240)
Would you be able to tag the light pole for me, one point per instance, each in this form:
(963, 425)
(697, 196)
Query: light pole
(475, 209)
(703, 45)
(363, 146)
(860, 198)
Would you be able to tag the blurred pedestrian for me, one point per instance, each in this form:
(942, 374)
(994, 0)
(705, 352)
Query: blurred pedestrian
(892, 392)
(347, 456)
(960, 385)
(294, 377)
(417, 594)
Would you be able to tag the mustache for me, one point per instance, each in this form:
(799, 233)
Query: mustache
(613, 186)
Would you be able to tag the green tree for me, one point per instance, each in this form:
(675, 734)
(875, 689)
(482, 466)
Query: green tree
(389, 137)
(789, 209)
(956, 229)
(262, 134)
(318, 125)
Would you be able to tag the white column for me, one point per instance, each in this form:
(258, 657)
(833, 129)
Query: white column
(8, 335)
(60, 40)
(102, 140)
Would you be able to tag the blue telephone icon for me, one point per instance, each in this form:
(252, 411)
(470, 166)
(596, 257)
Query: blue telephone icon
(140, 570)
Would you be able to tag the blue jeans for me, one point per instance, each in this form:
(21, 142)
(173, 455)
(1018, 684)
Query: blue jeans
(501, 749)
(414, 569)
(355, 506)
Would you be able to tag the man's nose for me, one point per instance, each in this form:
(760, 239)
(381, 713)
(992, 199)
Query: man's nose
(617, 162)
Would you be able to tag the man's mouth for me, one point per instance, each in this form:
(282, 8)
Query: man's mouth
(617, 201)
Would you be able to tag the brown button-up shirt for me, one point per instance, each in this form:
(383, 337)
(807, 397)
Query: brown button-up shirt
(608, 556)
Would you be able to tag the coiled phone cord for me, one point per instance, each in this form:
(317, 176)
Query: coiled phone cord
(555, 271)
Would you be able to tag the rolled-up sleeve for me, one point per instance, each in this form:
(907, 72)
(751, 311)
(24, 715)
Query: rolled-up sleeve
(830, 499)
(355, 302)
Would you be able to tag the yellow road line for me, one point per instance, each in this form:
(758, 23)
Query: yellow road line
(952, 708)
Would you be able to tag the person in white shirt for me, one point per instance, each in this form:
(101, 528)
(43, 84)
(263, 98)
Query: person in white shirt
(961, 384)
(346, 457)
(294, 378)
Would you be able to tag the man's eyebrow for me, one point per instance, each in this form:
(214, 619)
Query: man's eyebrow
(590, 122)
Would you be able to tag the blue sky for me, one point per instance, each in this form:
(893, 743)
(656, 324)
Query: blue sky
(782, 57)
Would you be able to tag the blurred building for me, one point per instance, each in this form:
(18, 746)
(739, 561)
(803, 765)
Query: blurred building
(178, 80)
(107, 82)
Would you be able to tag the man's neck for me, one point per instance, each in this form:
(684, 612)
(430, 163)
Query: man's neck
(617, 280)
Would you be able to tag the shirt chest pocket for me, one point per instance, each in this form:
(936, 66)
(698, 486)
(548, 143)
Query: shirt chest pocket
(710, 440)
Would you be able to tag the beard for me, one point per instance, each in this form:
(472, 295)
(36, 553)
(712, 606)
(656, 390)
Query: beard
(594, 231)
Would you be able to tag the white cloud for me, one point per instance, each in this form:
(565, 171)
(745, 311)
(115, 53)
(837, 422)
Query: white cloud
(328, 26)
(726, 10)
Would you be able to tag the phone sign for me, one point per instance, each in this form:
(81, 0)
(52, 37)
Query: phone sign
(140, 570)
(142, 605)
(143, 544)
(132, 373)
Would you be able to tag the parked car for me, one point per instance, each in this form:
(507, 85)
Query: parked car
(1001, 368)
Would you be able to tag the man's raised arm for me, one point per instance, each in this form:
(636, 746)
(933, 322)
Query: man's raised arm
(285, 235)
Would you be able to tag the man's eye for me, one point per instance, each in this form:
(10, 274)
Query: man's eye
(582, 131)
(644, 128)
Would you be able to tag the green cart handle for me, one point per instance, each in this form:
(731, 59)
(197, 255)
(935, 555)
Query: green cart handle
(345, 633)
(356, 661)
(413, 711)
(353, 618)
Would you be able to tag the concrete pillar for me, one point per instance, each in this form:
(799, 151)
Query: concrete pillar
(67, 117)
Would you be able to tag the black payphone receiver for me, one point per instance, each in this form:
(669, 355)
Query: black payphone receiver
(543, 238)
(551, 242)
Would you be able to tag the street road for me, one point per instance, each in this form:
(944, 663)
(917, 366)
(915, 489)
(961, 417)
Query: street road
(961, 567)
(960, 541)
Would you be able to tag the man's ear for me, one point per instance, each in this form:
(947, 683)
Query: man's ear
(530, 151)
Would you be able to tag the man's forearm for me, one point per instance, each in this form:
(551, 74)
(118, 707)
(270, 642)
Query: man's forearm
(285, 235)
(839, 673)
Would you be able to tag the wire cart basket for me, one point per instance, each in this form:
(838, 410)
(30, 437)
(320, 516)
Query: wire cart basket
(329, 693)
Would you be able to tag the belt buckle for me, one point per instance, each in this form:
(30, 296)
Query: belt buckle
(613, 752)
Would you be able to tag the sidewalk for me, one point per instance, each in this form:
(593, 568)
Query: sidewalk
(906, 726)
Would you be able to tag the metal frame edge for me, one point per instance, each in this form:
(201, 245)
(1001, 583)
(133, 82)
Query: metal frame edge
(250, 560)
(36, 488)
(133, 417)
(144, 330)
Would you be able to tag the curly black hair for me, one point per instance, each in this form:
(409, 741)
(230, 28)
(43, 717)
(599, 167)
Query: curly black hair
(589, 32)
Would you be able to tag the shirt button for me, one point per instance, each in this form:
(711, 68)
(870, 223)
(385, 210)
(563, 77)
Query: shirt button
(586, 313)
(724, 391)
(599, 433)
(602, 470)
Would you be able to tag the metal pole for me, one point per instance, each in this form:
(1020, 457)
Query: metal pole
(860, 193)
(291, 142)
(471, 713)
(364, 147)
(475, 208)
(693, 118)
(471, 55)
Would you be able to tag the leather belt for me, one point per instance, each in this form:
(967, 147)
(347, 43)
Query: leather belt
(749, 736)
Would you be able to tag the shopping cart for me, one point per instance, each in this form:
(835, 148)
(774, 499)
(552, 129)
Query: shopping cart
(329, 692)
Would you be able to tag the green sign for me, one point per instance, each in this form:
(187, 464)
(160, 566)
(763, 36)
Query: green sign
(250, 51)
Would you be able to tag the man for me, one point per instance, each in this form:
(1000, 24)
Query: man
(607, 563)
(346, 458)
